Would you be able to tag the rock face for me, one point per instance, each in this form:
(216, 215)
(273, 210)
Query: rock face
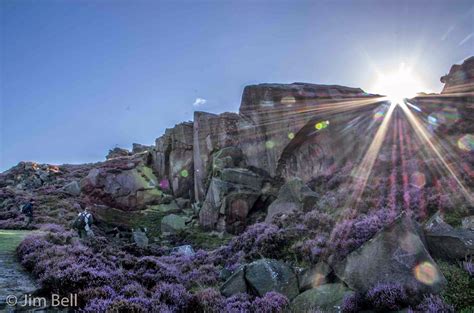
(173, 160)
(395, 255)
(460, 78)
(220, 160)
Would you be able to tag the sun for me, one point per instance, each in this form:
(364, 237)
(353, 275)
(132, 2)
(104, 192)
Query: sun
(398, 85)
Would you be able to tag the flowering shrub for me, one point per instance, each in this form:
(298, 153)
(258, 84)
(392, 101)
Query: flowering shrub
(174, 296)
(108, 278)
(207, 300)
(239, 303)
(386, 296)
(352, 303)
(349, 234)
(271, 302)
(432, 304)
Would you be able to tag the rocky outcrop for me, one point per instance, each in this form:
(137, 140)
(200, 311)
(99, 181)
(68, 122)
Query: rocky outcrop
(395, 255)
(460, 78)
(117, 153)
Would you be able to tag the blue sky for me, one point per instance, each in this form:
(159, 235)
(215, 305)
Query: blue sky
(81, 77)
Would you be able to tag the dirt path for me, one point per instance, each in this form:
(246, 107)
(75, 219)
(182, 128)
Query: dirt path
(13, 279)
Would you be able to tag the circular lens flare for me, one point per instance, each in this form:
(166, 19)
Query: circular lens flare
(426, 273)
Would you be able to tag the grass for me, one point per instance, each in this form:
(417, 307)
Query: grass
(10, 239)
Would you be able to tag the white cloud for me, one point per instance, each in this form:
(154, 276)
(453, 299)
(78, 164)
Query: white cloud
(199, 101)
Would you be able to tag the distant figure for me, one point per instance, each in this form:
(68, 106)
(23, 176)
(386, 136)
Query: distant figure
(27, 210)
(83, 224)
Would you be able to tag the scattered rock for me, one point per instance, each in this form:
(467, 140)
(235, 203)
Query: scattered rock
(184, 249)
(468, 223)
(327, 298)
(271, 275)
(394, 255)
(173, 223)
(140, 238)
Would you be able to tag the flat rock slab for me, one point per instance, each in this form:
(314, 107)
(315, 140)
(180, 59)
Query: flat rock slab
(13, 279)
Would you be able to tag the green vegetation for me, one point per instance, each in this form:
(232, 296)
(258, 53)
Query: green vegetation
(460, 289)
(202, 239)
(10, 239)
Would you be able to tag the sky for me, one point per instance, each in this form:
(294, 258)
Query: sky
(78, 78)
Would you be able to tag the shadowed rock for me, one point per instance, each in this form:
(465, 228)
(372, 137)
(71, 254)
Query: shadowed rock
(395, 255)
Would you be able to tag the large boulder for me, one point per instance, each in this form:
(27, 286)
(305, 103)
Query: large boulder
(394, 255)
(235, 283)
(125, 183)
(294, 195)
(451, 244)
(446, 242)
(325, 298)
(267, 275)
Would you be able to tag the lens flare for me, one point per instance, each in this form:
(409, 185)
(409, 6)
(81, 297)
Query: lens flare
(466, 143)
(184, 173)
(270, 144)
(164, 184)
(418, 180)
(321, 125)
(399, 85)
(426, 273)
(291, 135)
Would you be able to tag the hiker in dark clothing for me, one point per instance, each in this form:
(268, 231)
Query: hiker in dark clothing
(27, 210)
